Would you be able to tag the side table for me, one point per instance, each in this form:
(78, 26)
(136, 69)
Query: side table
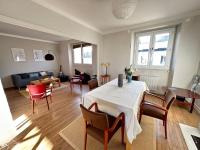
(105, 78)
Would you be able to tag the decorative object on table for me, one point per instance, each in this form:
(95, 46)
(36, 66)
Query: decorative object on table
(128, 73)
(196, 82)
(106, 65)
(49, 56)
(123, 9)
(38, 55)
(120, 80)
(18, 54)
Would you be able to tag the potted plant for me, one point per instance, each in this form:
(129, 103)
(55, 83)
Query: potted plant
(128, 73)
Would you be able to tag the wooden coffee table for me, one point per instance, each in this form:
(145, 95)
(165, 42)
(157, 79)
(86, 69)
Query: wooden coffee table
(46, 81)
(186, 94)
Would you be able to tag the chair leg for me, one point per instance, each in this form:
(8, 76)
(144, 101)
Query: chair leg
(51, 98)
(33, 105)
(140, 118)
(85, 144)
(47, 103)
(165, 129)
(106, 140)
(122, 129)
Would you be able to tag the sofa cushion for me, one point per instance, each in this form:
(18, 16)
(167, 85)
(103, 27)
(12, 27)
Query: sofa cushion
(43, 73)
(77, 72)
(34, 74)
(24, 75)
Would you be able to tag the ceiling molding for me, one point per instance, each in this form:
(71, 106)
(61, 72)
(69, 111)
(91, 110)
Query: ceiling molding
(159, 22)
(27, 38)
(23, 24)
(58, 11)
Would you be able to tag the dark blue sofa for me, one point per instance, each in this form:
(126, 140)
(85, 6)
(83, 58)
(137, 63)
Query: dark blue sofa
(23, 79)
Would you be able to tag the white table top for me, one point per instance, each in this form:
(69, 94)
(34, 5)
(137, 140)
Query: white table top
(114, 100)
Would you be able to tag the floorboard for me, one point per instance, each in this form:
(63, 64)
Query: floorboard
(40, 130)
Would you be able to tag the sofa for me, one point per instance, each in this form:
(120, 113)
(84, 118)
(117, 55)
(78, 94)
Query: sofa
(23, 79)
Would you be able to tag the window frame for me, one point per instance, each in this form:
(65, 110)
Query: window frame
(82, 62)
(152, 34)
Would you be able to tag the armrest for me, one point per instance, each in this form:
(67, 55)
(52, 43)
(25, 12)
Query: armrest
(154, 105)
(96, 107)
(154, 95)
(120, 117)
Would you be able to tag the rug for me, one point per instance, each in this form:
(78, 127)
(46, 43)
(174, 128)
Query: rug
(187, 131)
(73, 134)
(24, 93)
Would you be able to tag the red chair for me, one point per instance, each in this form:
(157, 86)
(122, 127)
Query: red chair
(38, 92)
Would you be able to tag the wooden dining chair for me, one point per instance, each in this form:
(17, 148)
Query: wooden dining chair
(93, 84)
(37, 93)
(102, 126)
(154, 110)
(77, 79)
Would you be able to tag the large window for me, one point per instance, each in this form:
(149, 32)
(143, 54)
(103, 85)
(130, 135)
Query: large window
(82, 54)
(154, 49)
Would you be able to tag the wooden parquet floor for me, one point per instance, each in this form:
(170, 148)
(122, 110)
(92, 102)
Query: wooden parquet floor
(40, 130)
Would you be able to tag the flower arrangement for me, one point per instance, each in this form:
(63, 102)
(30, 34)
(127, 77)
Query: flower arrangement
(128, 71)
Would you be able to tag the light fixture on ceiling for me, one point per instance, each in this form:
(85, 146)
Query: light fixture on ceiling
(123, 9)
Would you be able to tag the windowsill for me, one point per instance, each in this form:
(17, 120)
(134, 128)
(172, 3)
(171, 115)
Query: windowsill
(152, 68)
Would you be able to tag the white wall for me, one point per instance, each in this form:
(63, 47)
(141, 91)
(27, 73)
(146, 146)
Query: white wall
(187, 53)
(116, 51)
(7, 128)
(8, 66)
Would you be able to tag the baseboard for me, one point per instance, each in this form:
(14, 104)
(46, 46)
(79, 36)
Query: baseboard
(197, 108)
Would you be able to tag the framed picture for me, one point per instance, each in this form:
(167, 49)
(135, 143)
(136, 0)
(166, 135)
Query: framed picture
(38, 55)
(18, 54)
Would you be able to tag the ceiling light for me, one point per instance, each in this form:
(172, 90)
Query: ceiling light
(123, 9)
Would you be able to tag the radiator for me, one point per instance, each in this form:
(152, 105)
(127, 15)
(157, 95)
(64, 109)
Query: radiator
(153, 82)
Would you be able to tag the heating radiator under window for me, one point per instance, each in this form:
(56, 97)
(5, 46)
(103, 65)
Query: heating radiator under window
(154, 83)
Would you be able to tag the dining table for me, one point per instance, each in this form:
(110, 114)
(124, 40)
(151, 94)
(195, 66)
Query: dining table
(114, 100)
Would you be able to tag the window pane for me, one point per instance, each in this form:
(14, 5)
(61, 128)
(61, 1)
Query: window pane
(87, 55)
(77, 55)
(160, 49)
(143, 50)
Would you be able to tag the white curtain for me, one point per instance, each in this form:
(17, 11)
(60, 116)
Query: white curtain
(7, 128)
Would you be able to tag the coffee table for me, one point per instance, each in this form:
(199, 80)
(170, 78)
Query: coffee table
(46, 81)
(187, 94)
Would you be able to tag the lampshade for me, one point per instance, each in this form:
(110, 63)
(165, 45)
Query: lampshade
(123, 9)
(49, 57)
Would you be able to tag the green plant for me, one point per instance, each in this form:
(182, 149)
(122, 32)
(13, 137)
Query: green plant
(128, 71)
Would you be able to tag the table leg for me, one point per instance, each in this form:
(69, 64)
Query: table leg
(192, 106)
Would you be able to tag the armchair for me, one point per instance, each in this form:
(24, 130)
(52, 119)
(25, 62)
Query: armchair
(155, 110)
(100, 125)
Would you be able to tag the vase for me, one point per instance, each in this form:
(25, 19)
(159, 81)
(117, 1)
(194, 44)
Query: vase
(129, 79)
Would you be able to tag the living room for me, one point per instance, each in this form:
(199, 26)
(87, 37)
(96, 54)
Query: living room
(47, 42)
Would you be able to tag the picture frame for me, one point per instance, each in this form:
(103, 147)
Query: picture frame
(18, 54)
(38, 55)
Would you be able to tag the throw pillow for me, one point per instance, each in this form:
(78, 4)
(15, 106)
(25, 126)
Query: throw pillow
(43, 73)
(77, 72)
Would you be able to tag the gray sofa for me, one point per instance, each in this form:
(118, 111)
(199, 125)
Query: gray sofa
(23, 79)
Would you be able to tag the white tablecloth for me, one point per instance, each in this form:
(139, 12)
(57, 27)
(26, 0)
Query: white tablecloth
(114, 100)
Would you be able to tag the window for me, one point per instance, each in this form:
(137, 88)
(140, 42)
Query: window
(82, 54)
(154, 49)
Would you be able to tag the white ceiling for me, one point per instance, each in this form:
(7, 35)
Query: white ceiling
(97, 14)
(8, 29)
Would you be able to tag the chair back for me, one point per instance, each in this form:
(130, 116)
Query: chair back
(36, 90)
(95, 119)
(169, 98)
(93, 84)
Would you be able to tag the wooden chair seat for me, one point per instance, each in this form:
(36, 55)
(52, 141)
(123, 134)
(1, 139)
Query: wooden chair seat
(99, 134)
(153, 111)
